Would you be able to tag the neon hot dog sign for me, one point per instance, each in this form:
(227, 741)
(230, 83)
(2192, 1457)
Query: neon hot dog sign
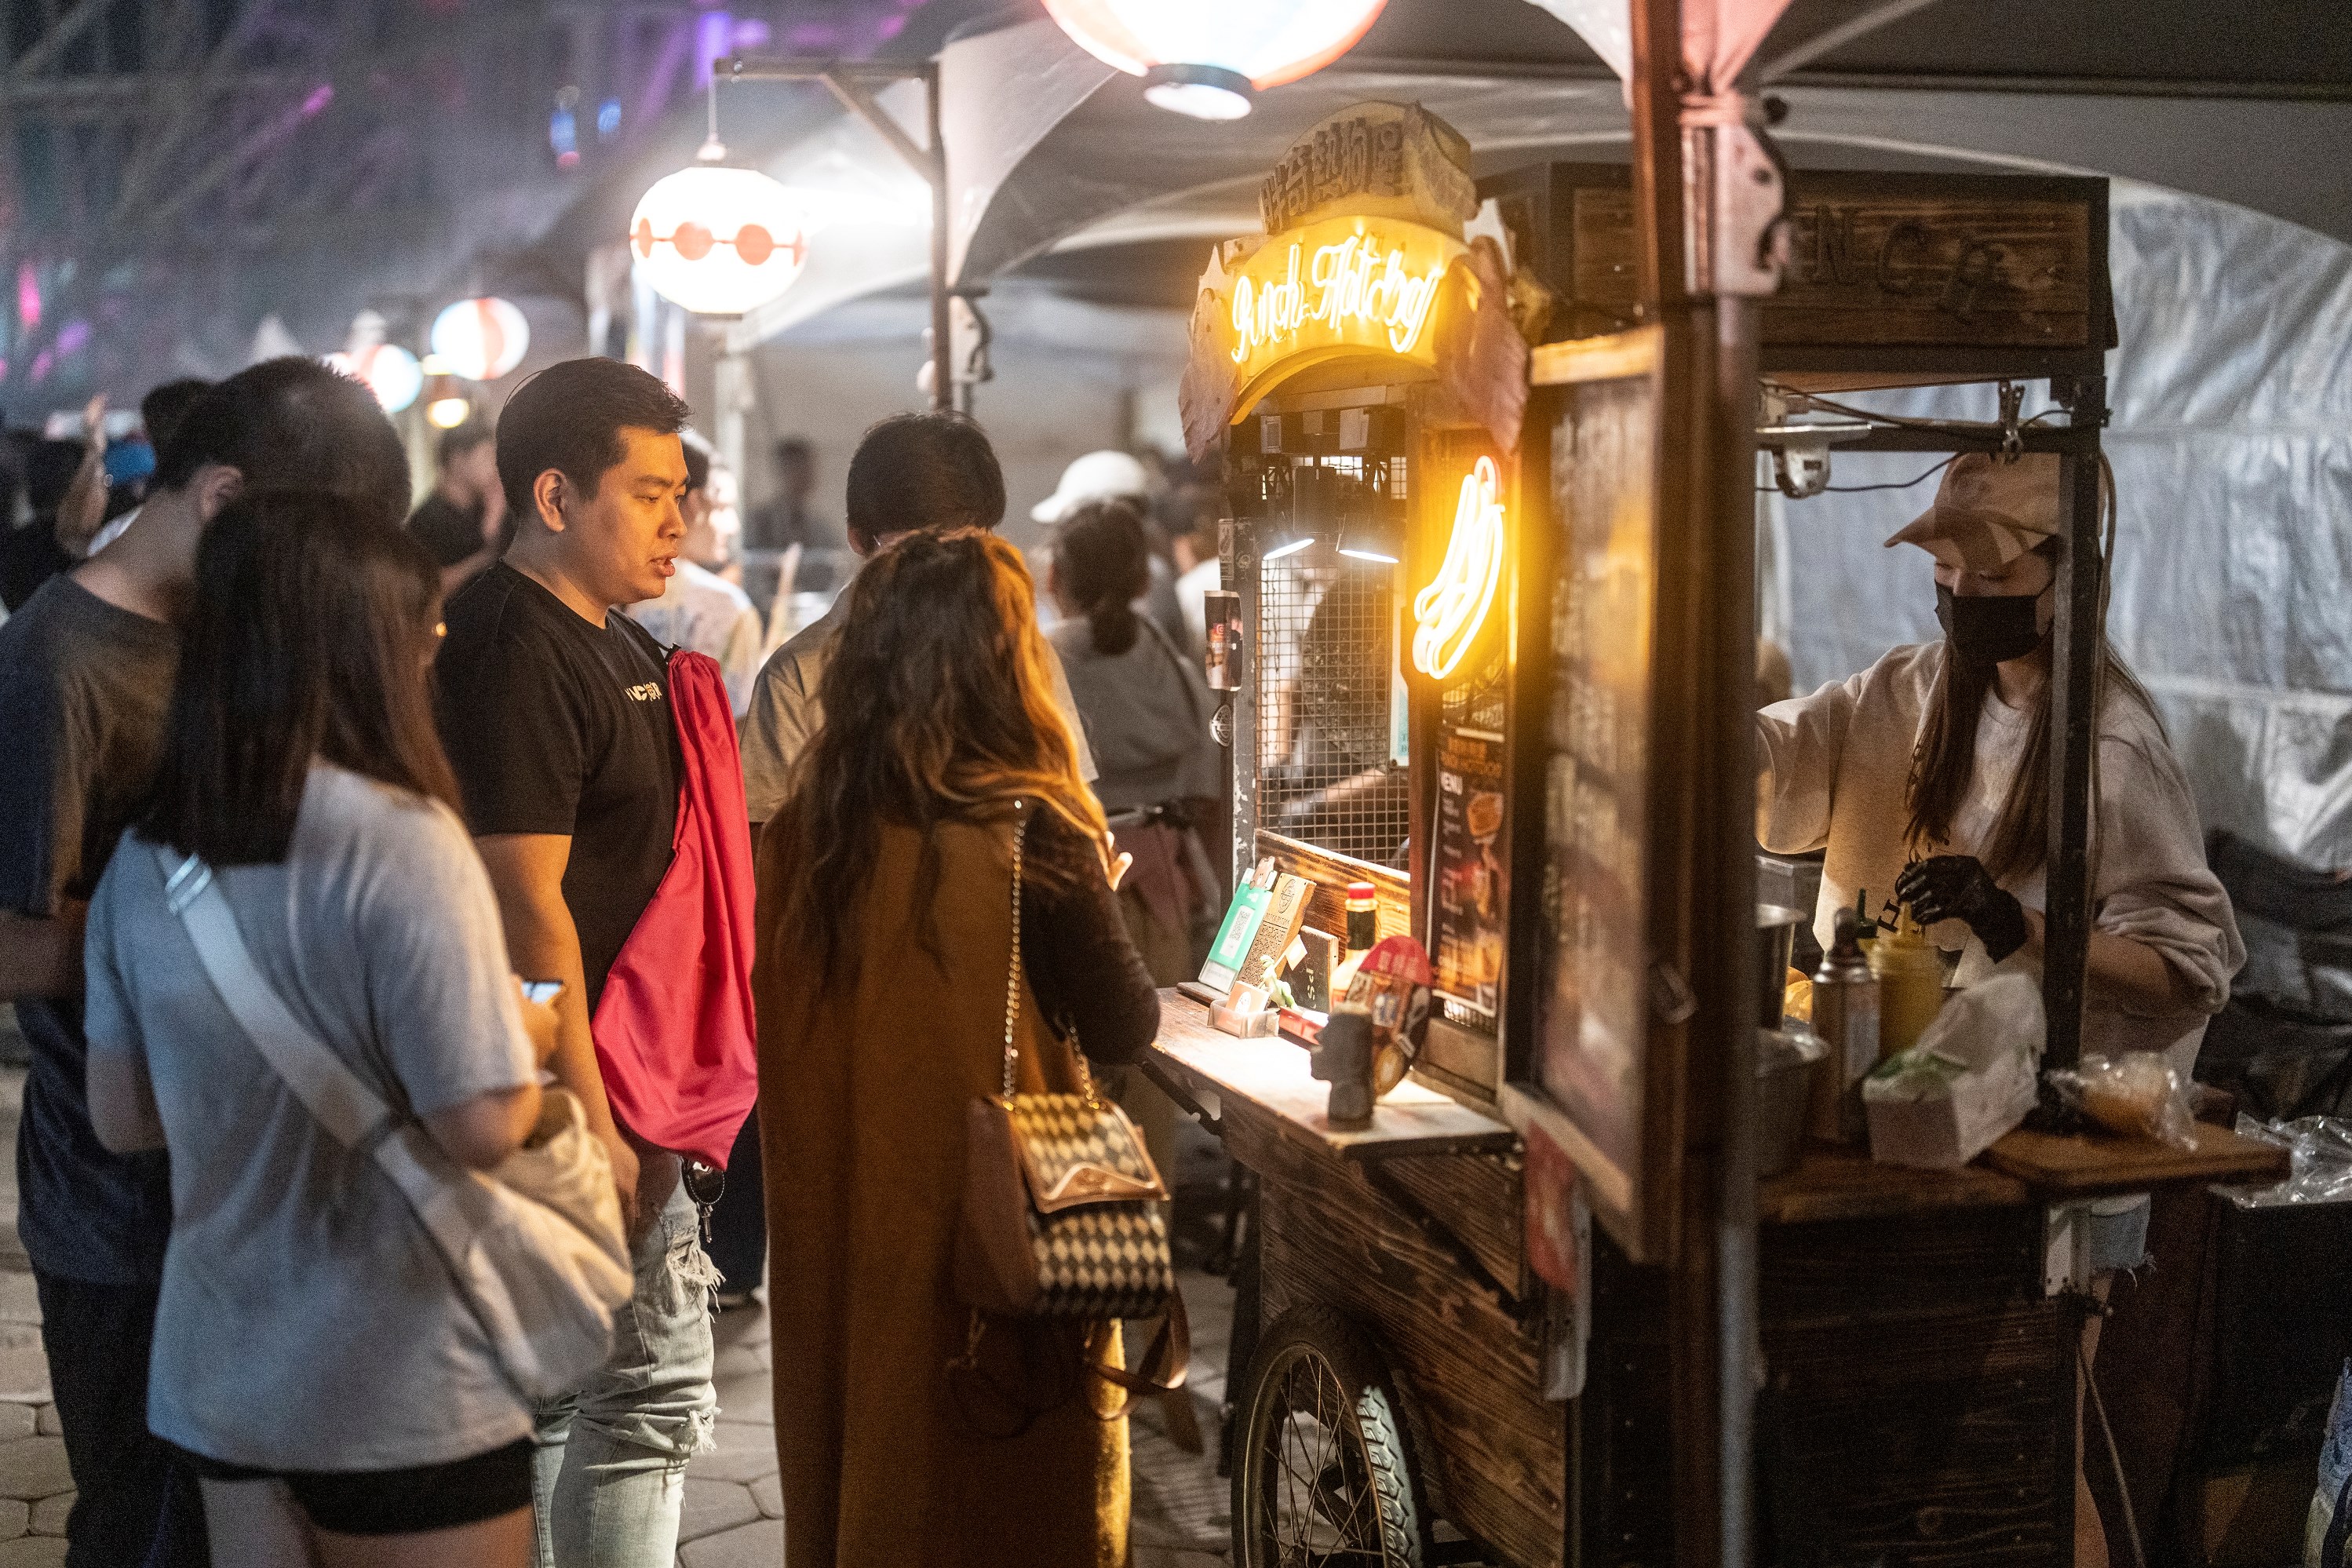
(1343, 289)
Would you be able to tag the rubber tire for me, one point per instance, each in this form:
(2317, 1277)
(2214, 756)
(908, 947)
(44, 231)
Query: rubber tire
(1376, 1420)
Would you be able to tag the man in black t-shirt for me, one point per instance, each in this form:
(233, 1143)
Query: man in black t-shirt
(555, 711)
(86, 673)
(464, 522)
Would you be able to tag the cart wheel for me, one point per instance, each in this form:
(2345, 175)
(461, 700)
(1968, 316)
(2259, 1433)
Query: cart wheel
(1323, 1475)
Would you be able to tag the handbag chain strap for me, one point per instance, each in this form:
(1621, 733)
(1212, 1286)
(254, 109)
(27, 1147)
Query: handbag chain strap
(1012, 976)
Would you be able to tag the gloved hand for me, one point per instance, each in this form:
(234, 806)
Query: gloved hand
(1957, 888)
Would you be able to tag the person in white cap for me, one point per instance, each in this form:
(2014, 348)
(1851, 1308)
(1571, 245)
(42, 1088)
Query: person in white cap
(1117, 475)
(1925, 778)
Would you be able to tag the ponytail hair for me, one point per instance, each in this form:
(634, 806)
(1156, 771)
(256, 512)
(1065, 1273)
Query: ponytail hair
(1105, 563)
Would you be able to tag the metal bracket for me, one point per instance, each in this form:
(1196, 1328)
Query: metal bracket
(853, 83)
(2012, 405)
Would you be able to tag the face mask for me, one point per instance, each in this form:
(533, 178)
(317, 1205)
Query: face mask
(1989, 630)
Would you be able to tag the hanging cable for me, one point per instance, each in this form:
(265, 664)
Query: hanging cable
(1858, 489)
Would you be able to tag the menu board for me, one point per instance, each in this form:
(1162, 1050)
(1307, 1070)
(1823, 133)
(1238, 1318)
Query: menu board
(1591, 1005)
(1473, 890)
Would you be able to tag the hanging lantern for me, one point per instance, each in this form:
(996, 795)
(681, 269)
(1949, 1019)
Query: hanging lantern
(388, 370)
(1206, 58)
(717, 240)
(481, 339)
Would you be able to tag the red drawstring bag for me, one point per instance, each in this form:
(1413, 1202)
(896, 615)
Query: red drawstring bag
(674, 1027)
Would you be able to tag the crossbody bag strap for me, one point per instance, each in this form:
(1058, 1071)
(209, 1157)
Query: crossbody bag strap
(1012, 976)
(353, 1114)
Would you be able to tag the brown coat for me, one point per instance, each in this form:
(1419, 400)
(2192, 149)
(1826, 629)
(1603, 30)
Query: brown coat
(864, 1087)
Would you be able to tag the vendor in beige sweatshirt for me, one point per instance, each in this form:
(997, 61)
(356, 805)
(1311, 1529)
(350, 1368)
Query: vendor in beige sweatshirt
(1924, 777)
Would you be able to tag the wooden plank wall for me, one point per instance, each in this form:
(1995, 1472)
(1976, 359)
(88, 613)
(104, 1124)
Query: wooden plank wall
(1918, 1409)
(1495, 1452)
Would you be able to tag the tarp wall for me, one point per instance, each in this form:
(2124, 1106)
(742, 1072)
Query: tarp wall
(2232, 442)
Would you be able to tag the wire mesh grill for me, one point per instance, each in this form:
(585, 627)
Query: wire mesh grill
(1326, 692)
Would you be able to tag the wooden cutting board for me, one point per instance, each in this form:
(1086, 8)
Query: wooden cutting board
(2093, 1164)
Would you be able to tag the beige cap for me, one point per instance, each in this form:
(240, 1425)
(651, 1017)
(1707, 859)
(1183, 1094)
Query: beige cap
(1987, 513)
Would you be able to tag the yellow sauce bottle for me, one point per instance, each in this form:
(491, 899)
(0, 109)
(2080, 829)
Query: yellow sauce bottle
(1910, 985)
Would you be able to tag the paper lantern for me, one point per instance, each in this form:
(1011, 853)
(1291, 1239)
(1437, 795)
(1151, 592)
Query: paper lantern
(481, 339)
(717, 240)
(1204, 57)
(390, 372)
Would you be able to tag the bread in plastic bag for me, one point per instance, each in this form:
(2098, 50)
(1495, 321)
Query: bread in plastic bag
(2136, 1094)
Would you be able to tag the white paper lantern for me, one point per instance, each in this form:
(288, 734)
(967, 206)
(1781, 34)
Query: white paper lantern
(390, 372)
(1204, 57)
(717, 240)
(481, 339)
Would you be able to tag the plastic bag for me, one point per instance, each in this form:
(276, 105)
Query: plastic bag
(2321, 1147)
(2136, 1094)
(1968, 1082)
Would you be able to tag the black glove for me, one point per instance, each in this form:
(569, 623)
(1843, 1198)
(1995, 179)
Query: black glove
(1957, 888)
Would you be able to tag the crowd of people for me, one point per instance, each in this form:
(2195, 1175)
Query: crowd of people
(310, 802)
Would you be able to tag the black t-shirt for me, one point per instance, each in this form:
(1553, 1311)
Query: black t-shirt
(556, 725)
(83, 688)
(449, 531)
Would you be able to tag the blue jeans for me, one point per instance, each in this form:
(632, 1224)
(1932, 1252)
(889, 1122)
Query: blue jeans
(609, 1475)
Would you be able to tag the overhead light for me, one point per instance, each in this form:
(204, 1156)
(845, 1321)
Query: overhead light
(1202, 92)
(1287, 540)
(480, 339)
(1373, 537)
(716, 239)
(448, 412)
(1207, 57)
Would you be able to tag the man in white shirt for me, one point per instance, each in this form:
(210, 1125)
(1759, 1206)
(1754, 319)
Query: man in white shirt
(699, 609)
(913, 472)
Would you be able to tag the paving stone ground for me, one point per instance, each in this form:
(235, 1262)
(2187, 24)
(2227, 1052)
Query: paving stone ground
(733, 1504)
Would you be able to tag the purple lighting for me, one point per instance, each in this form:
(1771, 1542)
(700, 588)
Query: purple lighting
(28, 296)
(320, 96)
(72, 336)
(714, 40)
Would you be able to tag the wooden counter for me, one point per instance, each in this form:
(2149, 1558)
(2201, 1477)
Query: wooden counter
(1919, 1405)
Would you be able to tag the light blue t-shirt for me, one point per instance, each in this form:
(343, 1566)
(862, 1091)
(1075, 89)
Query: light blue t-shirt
(305, 1320)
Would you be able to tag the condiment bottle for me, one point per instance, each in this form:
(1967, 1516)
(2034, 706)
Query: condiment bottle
(1845, 1014)
(1910, 985)
(1866, 926)
(1363, 930)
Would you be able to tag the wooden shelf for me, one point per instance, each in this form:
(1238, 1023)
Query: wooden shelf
(1271, 1077)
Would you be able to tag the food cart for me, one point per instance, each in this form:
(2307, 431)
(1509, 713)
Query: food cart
(1475, 677)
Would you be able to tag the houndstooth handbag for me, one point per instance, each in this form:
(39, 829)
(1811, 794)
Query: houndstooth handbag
(1062, 1215)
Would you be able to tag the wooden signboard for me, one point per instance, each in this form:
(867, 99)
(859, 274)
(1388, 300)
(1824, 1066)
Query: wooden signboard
(1887, 271)
(1597, 1074)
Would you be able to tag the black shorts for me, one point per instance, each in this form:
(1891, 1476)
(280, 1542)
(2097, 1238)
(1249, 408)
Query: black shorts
(400, 1502)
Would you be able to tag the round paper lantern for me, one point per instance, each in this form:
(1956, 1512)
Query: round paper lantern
(482, 339)
(390, 372)
(1204, 57)
(717, 240)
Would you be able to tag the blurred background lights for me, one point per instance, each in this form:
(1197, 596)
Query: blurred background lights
(480, 339)
(390, 372)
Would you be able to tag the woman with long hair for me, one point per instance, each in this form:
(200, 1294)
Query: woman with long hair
(301, 765)
(885, 912)
(1926, 778)
(1145, 710)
